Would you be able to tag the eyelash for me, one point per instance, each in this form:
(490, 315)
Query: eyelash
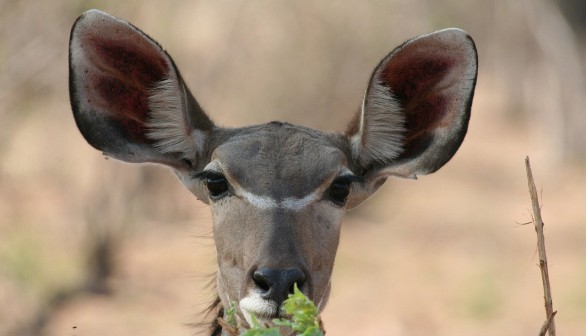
(215, 182)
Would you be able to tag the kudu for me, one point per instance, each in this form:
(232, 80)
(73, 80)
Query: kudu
(277, 191)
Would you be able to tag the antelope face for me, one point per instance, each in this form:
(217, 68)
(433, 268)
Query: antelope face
(277, 191)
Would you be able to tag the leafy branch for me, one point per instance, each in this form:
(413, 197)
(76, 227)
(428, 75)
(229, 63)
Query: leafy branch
(302, 319)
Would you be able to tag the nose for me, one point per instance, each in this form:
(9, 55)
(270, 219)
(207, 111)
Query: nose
(277, 284)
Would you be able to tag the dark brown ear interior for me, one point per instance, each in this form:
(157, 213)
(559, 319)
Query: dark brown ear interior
(113, 67)
(420, 76)
(429, 84)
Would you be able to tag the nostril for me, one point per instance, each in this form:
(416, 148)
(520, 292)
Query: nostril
(261, 280)
(277, 284)
(295, 276)
(299, 285)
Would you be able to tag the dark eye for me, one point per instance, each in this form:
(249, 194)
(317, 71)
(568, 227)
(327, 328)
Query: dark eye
(215, 182)
(339, 190)
(217, 185)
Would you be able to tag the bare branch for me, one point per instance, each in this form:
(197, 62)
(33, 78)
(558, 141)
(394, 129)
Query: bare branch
(550, 323)
(546, 324)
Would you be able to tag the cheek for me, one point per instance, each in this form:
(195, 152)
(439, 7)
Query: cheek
(230, 259)
(323, 228)
(322, 234)
(228, 226)
(236, 238)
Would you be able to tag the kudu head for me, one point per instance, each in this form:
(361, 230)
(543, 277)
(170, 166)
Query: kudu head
(277, 191)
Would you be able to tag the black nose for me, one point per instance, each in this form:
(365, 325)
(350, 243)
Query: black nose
(277, 284)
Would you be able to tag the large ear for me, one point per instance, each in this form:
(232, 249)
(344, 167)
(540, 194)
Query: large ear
(416, 109)
(128, 97)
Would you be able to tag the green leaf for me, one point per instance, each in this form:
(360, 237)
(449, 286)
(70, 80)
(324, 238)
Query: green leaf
(257, 329)
(303, 318)
(304, 314)
(230, 315)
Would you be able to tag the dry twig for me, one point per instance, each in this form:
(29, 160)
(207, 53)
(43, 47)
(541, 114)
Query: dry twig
(228, 328)
(549, 324)
(546, 324)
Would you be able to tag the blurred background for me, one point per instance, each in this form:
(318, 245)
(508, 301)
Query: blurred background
(90, 246)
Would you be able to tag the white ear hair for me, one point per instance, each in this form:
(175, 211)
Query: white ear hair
(127, 95)
(382, 130)
(416, 109)
(167, 124)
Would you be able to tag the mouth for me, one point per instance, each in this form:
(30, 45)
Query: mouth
(264, 311)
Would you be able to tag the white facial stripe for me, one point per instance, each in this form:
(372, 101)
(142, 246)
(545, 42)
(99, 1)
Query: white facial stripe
(261, 202)
(261, 308)
(296, 204)
(267, 202)
(289, 203)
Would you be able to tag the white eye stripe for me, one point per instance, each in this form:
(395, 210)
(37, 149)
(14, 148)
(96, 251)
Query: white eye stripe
(266, 202)
(261, 202)
(296, 204)
(289, 203)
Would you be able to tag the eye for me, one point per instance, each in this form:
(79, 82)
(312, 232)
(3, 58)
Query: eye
(340, 189)
(217, 185)
(215, 182)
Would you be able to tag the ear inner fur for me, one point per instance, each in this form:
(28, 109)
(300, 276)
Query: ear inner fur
(127, 96)
(117, 69)
(426, 87)
(381, 135)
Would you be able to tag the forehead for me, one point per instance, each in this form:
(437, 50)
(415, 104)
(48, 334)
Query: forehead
(280, 159)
